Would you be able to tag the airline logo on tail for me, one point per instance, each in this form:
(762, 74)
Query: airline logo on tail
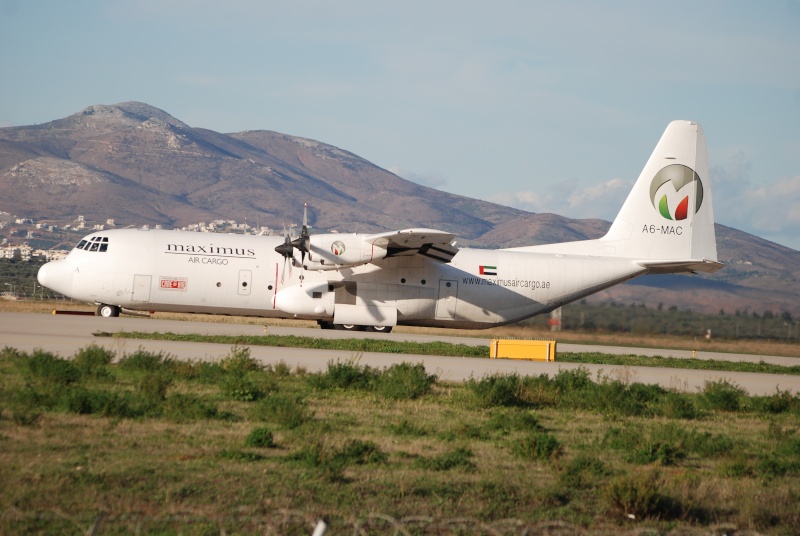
(671, 189)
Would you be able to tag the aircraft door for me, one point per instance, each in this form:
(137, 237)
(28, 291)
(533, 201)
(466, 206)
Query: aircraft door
(448, 299)
(245, 282)
(141, 288)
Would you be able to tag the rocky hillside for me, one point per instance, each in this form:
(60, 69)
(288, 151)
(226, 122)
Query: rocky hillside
(139, 165)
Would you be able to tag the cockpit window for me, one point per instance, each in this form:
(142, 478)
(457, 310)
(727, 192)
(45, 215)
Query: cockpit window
(95, 243)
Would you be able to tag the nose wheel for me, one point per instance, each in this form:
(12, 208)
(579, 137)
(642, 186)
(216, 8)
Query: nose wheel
(107, 311)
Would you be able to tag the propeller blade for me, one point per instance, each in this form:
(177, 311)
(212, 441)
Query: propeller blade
(301, 243)
(285, 249)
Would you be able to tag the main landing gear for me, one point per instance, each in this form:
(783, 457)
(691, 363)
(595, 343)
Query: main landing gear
(107, 311)
(353, 327)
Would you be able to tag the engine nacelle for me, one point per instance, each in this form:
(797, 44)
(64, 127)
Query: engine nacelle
(334, 250)
(306, 300)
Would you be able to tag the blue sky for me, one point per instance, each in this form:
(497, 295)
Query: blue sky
(545, 106)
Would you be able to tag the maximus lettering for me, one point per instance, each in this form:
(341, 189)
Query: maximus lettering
(210, 250)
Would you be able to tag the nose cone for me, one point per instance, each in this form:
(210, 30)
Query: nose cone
(57, 275)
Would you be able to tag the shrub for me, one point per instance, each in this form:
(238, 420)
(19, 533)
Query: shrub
(540, 391)
(626, 437)
(639, 495)
(13, 355)
(361, 452)
(344, 375)
(281, 369)
(260, 438)
(288, 411)
(568, 381)
(708, 445)
(99, 402)
(460, 458)
(537, 446)
(773, 465)
(239, 360)
(405, 381)
(664, 452)
(582, 472)
(678, 406)
(723, 396)
(513, 420)
(52, 369)
(238, 386)
(332, 461)
(497, 390)
(92, 361)
(203, 371)
(780, 402)
(614, 397)
(182, 407)
(145, 361)
(153, 387)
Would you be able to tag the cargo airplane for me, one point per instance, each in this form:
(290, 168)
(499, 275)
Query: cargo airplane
(409, 277)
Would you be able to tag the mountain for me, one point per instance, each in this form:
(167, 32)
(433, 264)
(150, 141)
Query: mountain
(98, 161)
(139, 165)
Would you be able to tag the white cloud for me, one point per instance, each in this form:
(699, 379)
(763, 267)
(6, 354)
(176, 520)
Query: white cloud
(570, 199)
(600, 200)
(769, 210)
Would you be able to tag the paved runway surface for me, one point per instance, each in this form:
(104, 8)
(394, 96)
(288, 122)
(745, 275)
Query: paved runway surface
(65, 334)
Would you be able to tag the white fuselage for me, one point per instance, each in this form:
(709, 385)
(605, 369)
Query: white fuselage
(412, 276)
(177, 271)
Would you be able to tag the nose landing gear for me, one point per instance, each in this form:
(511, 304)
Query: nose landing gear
(107, 311)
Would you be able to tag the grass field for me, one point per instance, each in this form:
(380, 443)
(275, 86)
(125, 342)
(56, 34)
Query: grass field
(154, 445)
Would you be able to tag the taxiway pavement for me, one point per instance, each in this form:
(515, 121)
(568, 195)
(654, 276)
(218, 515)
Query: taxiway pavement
(64, 335)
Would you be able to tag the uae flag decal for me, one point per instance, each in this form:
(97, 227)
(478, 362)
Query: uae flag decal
(487, 270)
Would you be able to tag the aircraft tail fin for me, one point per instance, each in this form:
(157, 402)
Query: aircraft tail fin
(667, 221)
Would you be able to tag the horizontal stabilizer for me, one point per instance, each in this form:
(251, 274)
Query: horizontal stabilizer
(675, 267)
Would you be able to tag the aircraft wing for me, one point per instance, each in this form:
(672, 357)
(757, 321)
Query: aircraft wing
(428, 242)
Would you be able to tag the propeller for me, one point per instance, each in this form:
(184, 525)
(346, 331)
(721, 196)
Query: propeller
(301, 243)
(287, 252)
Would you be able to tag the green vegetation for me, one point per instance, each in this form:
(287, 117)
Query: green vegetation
(650, 319)
(458, 350)
(19, 278)
(251, 450)
(292, 341)
(676, 362)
